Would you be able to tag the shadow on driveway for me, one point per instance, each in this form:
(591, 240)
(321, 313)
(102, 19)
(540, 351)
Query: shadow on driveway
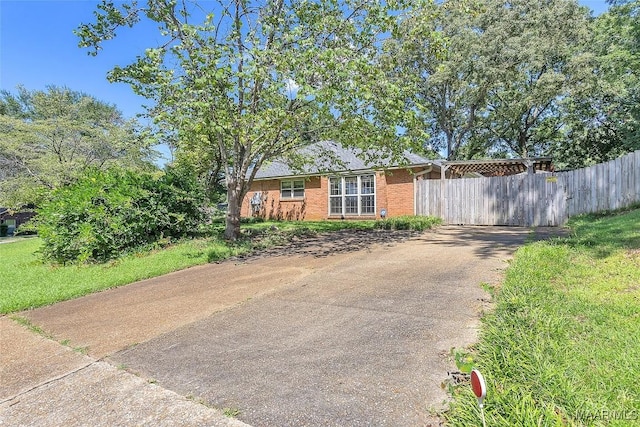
(347, 329)
(362, 341)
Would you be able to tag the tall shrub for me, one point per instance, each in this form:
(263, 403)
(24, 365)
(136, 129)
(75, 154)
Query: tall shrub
(110, 212)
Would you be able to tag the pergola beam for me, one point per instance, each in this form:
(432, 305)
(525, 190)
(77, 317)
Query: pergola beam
(497, 167)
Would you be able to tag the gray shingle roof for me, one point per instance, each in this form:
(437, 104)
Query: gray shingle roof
(328, 156)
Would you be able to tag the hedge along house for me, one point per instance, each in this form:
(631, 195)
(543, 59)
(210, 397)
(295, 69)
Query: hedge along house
(338, 185)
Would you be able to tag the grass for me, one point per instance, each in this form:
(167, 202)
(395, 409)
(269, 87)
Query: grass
(561, 347)
(231, 412)
(26, 282)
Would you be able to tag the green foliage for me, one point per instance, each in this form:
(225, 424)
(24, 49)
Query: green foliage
(433, 53)
(222, 250)
(26, 282)
(49, 138)
(534, 55)
(559, 348)
(464, 361)
(110, 212)
(231, 412)
(27, 229)
(239, 84)
(489, 77)
(604, 117)
(415, 223)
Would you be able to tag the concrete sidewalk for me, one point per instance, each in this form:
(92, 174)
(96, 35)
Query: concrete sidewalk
(353, 332)
(43, 383)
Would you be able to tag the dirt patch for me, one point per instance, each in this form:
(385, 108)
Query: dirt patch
(339, 242)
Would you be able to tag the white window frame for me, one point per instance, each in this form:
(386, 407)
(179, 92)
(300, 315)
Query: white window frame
(289, 185)
(342, 196)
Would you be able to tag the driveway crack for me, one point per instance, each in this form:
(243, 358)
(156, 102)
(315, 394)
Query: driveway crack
(49, 381)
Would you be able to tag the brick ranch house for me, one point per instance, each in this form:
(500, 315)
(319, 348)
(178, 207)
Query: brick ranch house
(338, 186)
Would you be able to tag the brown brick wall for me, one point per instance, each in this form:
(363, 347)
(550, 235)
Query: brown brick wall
(312, 207)
(394, 192)
(400, 193)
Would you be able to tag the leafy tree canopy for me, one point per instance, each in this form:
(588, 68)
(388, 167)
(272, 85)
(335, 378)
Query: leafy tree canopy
(49, 138)
(243, 82)
(603, 120)
(496, 81)
(434, 53)
(521, 78)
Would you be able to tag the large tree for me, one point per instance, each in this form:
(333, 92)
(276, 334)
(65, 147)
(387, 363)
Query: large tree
(433, 54)
(605, 118)
(49, 137)
(532, 55)
(242, 82)
(495, 80)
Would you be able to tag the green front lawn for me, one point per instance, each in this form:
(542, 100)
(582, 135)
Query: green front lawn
(561, 347)
(25, 282)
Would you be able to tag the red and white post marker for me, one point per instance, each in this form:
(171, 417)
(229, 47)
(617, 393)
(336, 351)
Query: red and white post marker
(479, 388)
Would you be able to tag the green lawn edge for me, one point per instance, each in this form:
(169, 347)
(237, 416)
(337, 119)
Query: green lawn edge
(26, 282)
(560, 347)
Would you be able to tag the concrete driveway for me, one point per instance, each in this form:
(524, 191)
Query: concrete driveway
(349, 330)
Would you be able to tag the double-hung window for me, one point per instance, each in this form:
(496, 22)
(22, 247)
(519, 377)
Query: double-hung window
(292, 189)
(352, 195)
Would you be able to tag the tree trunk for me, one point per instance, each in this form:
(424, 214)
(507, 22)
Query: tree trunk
(451, 151)
(522, 144)
(234, 200)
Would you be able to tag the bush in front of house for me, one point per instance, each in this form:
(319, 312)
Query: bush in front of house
(29, 228)
(108, 213)
(414, 223)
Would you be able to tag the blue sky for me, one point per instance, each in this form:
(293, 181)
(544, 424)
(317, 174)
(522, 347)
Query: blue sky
(38, 48)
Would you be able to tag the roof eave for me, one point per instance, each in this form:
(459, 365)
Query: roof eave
(347, 172)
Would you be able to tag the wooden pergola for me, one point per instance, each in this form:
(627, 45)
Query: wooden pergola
(497, 167)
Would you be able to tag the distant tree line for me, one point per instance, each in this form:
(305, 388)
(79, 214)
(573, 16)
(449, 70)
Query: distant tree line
(492, 78)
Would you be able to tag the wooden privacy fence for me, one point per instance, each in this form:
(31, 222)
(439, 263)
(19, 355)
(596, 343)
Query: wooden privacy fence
(532, 200)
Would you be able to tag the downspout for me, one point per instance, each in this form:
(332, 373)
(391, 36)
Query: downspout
(415, 186)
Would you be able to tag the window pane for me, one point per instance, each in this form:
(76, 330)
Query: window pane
(351, 204)
(285, 189)
(366, 184)
(286, 185)
(336, 205)
(291, 188)
(335, 186)
(368, 205)
(351, 185)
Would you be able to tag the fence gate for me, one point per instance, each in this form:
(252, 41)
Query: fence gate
(532, 200)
